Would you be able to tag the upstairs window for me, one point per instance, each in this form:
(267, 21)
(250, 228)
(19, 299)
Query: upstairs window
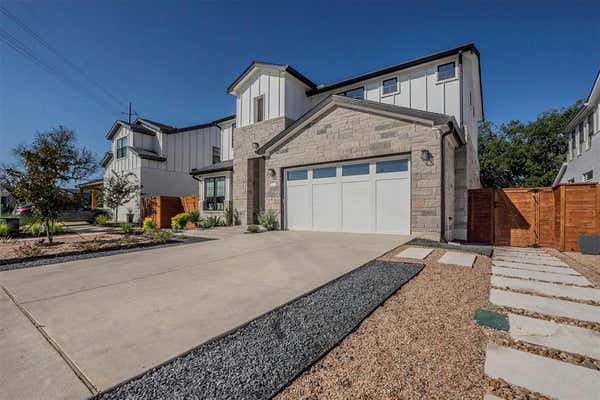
(214, 194)
(389, 86)
(588, 176)
(232, 135)
(580, 137)
(122, 147)
(446, 71)
(216, 155)
(590, 130)
(259, 109)
(572, 145)
(357, 93)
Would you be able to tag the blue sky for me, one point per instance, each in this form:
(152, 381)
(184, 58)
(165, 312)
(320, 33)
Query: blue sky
(175, 59)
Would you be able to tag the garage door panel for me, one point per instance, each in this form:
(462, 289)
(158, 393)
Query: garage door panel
(325, 207)
(298, 210)
(356, 207)
(393, 205)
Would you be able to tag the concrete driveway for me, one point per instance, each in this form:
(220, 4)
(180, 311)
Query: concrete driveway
(114, 317)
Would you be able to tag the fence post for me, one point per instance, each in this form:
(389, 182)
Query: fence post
(563, 206)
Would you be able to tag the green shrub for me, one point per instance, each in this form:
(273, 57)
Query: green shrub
(232, 215)
(178, 222)
(57, 227)
(212, 221)
(102, 219)
(90, 245)
(127, 240)
(126, 228)
(34, 228)
(253, 228)
(267, 219)
(194, 217)
(3, 228)
(149, 225)
(161, 236)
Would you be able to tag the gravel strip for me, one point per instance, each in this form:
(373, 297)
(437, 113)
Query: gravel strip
(258, 359)
(421, 344)
(586, 264)
(469, 248)
(56, 259)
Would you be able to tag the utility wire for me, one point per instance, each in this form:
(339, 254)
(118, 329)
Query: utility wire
(41, 40)
(21, 48)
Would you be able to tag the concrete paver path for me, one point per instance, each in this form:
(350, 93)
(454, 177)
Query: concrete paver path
(535, 267)
(120, 315)
(551, 289)
(541, 276)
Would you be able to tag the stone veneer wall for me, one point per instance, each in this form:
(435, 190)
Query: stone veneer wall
(344, 134)
(259, 133)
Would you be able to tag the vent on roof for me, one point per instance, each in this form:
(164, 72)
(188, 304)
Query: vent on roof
(320, 86)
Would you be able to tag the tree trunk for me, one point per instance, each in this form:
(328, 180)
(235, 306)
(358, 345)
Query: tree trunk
(49, 233)
(116, 218)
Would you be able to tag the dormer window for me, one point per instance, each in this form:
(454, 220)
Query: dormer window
(259, 109)
(122, 147)
(446, 71)
(389, 86)
(356, 93)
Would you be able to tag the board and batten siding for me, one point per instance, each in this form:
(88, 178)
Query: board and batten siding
(227, 140)
(272, 86)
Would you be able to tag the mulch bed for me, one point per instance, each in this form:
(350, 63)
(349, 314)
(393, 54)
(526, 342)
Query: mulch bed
(422, 343)
(258, 359)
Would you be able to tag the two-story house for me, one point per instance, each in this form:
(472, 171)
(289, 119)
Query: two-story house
(389, 151)
(583, 157)
(161, 156)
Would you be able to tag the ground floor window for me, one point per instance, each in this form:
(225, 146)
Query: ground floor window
(214, 193)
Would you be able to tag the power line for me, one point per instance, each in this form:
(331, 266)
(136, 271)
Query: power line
(41, 40)
(22, 49)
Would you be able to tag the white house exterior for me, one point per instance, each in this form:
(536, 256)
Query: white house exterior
(583, 158)
(161, 156)
(390, 151)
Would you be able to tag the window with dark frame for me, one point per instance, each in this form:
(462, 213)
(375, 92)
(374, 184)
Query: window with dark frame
(572, 148)
(259, 109)
(446, 71)
(122, 147)
(590, 130)
(216, 154)
(214, 194)
(580, 135)
(356, 93)
(389, 86)
(588, 176)
(232, 129)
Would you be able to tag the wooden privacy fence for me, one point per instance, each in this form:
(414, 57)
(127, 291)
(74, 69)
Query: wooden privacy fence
(162, 208)
(547, 217)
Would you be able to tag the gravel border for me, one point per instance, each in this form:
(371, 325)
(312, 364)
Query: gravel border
(484, 250)
(56, 259)
(258, 359)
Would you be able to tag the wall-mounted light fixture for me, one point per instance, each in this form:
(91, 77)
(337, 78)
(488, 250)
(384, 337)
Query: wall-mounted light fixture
(426, 155)
(271, 172)
(255, 146)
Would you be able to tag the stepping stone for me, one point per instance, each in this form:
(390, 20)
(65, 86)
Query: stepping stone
(542, 276)
(555, 263)
(519, 249)
(489, 396)
(492, 319)
(520, 254)
(545, 305)
(572, 339)
(418, 253)
(456, 258)
(549, 289)
(550, 377)
(535, 267)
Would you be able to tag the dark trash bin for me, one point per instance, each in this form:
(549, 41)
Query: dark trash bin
(589, 244)
(12, 223)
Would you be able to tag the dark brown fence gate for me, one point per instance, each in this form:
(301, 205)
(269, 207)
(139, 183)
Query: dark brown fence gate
(547, 217)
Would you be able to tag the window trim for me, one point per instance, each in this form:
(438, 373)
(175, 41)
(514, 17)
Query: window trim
(363, 87)
(213, 154)
(254, 104)
(583, 178)
(437, 72)
(580, 136)
(590, 131)
(214, 198)
(397, 86)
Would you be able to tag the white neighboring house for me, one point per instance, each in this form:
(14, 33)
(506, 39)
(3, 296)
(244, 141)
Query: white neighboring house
(583, 158)
(161, 156)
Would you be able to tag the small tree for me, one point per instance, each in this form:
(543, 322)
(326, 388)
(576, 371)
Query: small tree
(119, 188)
(50, 161)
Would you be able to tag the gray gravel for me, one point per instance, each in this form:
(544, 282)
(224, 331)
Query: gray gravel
(260, 358)
(482, 249)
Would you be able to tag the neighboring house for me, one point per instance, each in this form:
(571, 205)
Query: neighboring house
(7, 202)
(390, 151)
(161, 156)
(583, 157)
(90, 193)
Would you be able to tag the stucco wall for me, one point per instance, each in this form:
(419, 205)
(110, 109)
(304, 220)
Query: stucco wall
(343, 134)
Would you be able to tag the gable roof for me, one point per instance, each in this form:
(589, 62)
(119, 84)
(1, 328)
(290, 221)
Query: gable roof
(381, 108)
(588, 105)
(147, 154)
(394, 68)
(218, 167)
(106, 159)
(282, 67)
(136, 128)
(157, 125)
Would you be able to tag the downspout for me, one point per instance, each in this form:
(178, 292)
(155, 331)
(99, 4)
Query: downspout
(460, 86)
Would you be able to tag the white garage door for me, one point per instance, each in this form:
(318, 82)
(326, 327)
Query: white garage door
(364, 196)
